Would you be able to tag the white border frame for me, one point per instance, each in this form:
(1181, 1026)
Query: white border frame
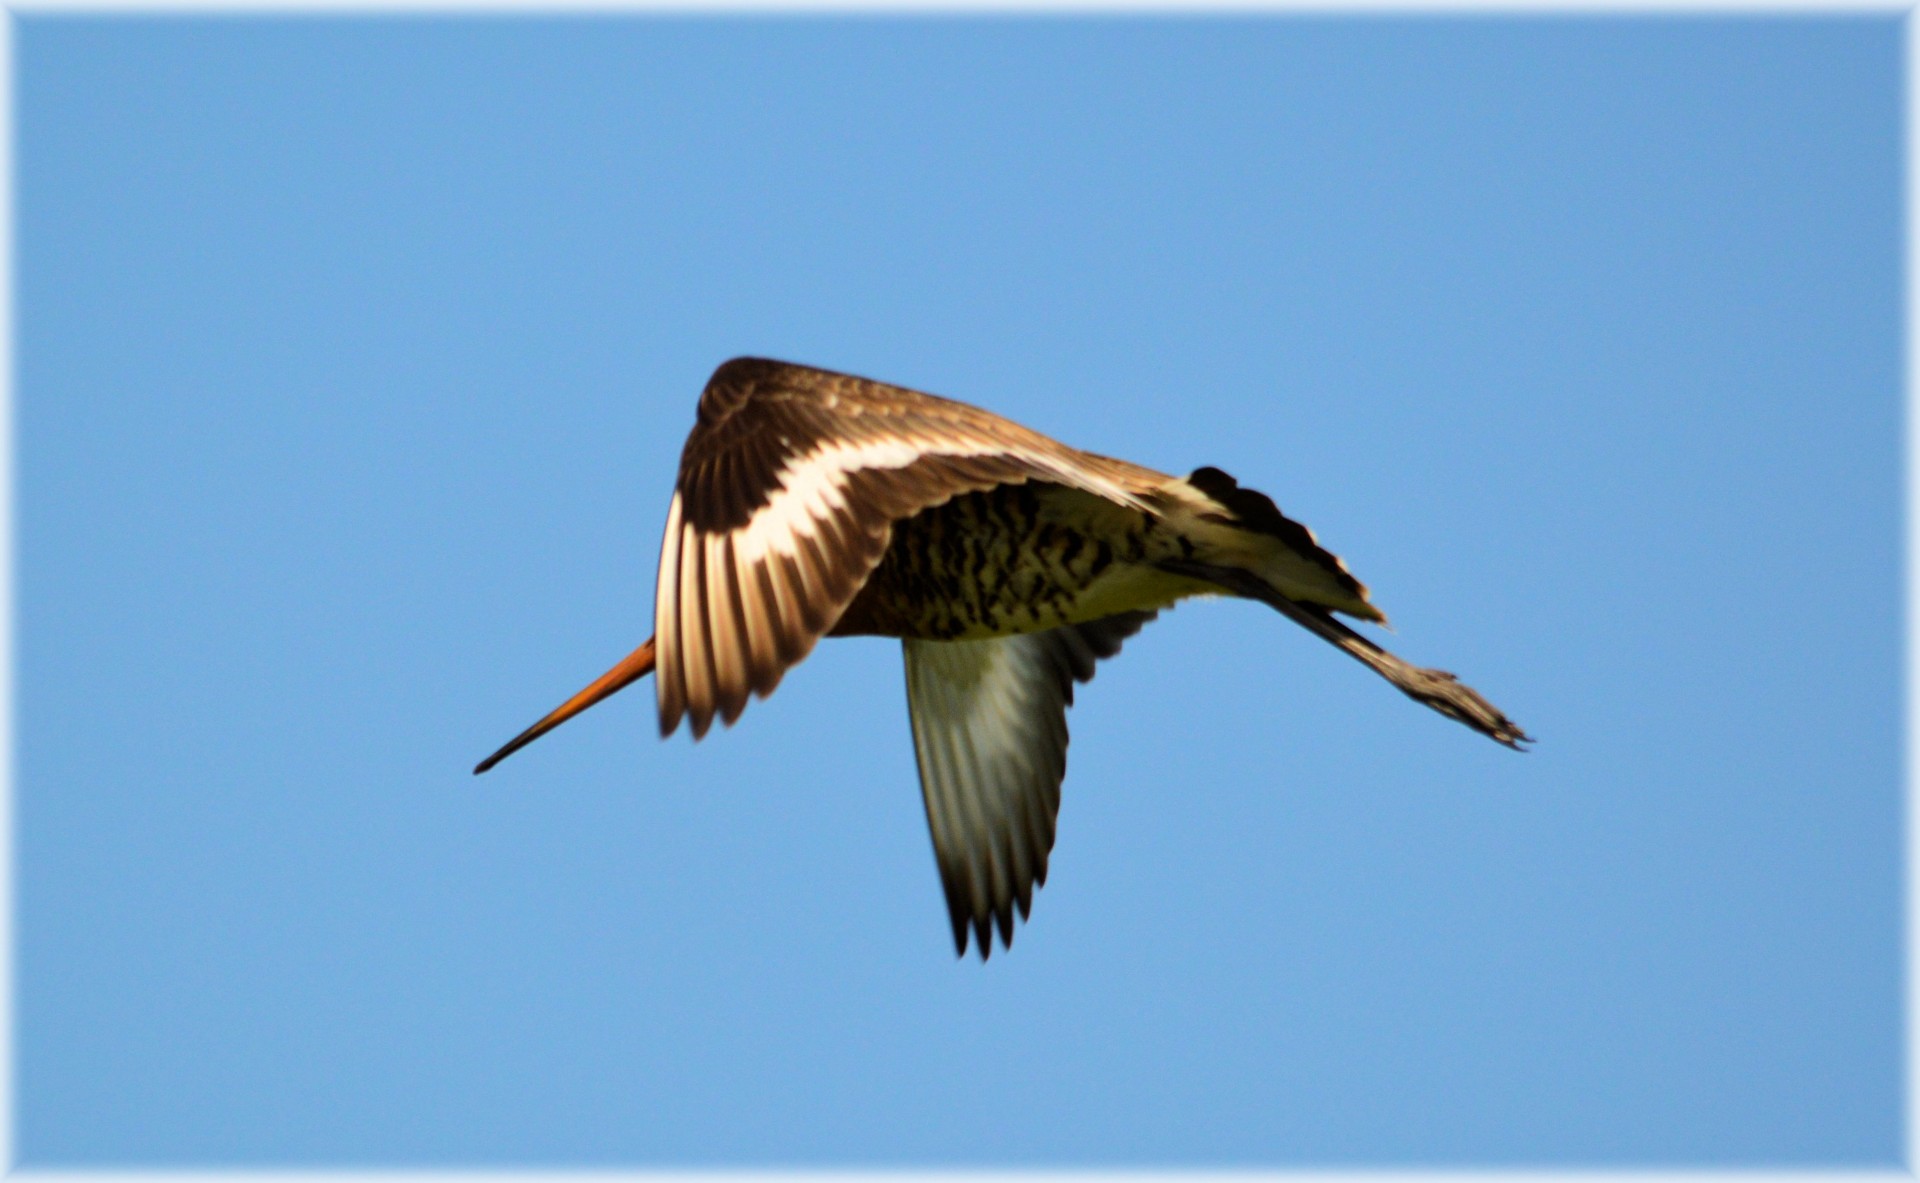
(1910, 176)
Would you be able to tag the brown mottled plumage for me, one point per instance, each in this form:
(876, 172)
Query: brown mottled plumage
(811, 503)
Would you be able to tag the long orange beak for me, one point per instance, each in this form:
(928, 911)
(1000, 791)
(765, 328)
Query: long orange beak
(633, 667)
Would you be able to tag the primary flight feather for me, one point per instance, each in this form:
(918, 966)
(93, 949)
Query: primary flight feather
(811, 504)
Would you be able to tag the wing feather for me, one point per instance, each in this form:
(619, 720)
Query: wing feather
(990, 735)
(759, 609)
(816, 593)
(671, 683)
(976, 848)
(725, 630)
(797, 639)
(696, 648)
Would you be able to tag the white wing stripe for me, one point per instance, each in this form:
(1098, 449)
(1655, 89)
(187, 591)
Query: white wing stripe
(814, 485)
(811, 487)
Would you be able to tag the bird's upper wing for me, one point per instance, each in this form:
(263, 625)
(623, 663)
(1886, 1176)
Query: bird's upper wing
(990, 733)
(789, 487)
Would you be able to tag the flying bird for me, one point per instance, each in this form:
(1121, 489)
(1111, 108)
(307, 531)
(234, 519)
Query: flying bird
(816, 504)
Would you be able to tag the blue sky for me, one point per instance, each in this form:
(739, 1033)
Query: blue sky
(354, 359)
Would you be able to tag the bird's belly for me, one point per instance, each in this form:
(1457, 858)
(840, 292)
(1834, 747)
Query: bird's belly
(1010, 561)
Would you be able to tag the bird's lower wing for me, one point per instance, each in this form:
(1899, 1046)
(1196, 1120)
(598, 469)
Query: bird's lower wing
(990, 734)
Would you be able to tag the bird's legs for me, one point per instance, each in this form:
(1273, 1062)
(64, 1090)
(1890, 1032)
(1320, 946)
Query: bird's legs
(1435, 688)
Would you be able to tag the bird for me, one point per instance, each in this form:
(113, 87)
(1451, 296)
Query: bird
(811, 503)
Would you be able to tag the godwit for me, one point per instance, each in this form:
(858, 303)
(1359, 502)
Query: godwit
(813, 504)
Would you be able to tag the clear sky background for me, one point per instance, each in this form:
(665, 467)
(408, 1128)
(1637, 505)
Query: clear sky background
(355, 358)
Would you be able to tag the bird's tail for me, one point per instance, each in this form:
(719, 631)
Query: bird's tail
(1233, 526)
